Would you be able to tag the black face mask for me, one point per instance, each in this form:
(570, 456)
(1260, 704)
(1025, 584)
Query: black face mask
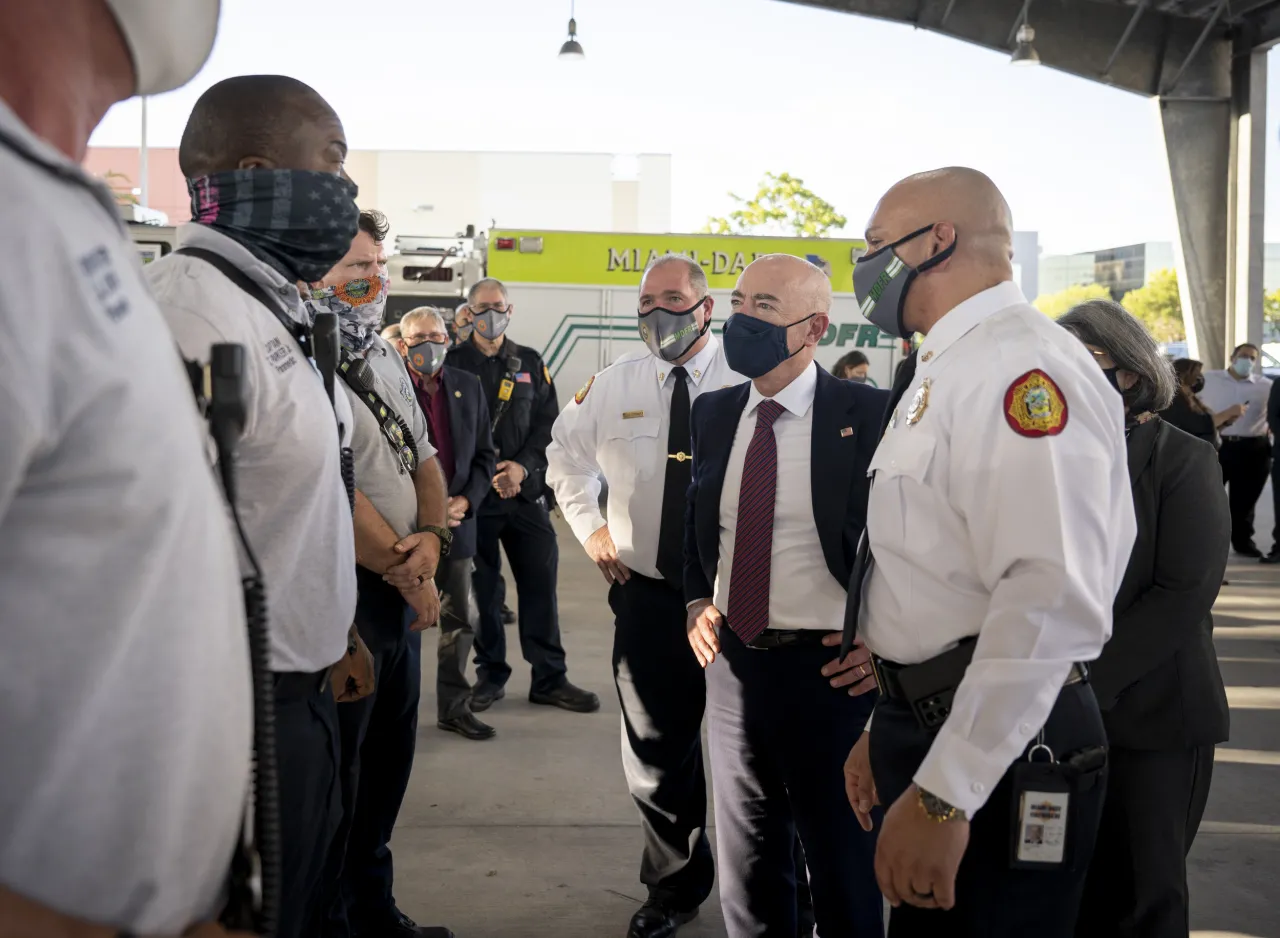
(1197, 385)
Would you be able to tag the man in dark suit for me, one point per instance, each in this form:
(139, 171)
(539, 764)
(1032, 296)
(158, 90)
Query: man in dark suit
(777, 504)
(458, 421)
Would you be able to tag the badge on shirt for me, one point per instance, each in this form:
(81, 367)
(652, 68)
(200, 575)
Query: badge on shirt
(523, 377)
(1034, 405)
(505, 389)
(919, 403)
(582, 391)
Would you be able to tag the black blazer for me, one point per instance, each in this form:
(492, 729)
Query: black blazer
(1200, 425)
(474, 458)
(1157, 680)
(838, 466)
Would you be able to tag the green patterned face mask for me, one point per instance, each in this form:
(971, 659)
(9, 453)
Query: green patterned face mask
(669, 333)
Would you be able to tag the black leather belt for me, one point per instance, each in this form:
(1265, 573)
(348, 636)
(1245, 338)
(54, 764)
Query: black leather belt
(300, 683)
(889, 678)
(781, 638)
(929, 687)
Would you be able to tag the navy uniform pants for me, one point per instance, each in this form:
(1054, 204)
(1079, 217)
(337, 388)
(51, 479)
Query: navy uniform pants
(307, 752)
(523, 529)
(663, 694)
(993, 900)
(378, 738)
(779, 735)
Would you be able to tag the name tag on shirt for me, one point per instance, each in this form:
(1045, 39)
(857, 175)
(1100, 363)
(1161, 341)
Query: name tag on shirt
(632, 414)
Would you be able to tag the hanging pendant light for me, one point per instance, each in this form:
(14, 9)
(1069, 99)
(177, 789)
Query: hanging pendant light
(572, 49)
(1024, 53)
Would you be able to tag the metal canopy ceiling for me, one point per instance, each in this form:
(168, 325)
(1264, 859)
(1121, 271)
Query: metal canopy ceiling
(1152, 47)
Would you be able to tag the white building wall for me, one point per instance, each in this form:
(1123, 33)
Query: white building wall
(440, 193)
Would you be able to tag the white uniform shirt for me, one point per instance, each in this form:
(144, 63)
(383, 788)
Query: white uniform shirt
(977, 529)
(291, 496)
(802, 592)
(125, 702)
(618, 433)
(1221, 390)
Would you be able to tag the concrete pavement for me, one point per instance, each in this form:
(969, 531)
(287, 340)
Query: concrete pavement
(533, 834)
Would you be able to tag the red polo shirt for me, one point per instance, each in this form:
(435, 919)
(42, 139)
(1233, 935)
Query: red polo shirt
(432, 400)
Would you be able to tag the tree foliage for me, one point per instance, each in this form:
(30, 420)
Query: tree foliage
(1159, 306)
(1271, 311)
(1054, 305)
(782, 206)
(121, 187)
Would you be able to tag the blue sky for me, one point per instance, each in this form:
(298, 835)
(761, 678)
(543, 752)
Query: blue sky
(731, 88)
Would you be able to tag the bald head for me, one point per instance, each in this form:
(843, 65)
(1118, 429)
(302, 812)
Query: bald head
(793, 281)
(790, 293)
(269, 121)
(954, 208)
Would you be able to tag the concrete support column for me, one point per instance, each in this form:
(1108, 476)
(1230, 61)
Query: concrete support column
(1246, 191)
(1216, 147)
(1197, 135)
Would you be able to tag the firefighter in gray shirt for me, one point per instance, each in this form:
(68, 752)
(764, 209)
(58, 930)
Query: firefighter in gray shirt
(401, 530)
(125, 708)
(234, 278)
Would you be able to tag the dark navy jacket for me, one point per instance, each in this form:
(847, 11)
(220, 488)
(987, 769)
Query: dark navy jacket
(474, 459)
(838, 464)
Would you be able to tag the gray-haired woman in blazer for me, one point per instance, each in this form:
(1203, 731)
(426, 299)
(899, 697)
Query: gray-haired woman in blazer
(1157, 680)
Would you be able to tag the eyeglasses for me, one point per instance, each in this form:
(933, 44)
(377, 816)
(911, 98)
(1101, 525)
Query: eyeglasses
(426, 337)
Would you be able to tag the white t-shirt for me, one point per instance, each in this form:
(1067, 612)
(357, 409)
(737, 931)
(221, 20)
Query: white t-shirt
(291, 497)
(125, 700)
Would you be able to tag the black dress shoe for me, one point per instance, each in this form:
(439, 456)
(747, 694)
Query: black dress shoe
(1273, 557)
(656, 919)
(466, 724)
(508, 617)
(566, 697)
(485, 696)
(404, 927)
(1247, 550)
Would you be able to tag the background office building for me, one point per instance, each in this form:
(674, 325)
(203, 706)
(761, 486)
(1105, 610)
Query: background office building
(1129, 267)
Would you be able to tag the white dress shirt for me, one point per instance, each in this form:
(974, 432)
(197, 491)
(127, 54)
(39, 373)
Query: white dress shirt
(618, 433)
(1221, 390)
(979, 530)
(802, 592)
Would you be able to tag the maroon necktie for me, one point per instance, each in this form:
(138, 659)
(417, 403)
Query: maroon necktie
(748, 611)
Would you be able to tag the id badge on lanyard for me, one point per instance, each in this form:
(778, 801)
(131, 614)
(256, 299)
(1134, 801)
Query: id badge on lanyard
(1041, 806)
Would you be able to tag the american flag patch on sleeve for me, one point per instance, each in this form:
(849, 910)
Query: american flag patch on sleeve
(522, 377)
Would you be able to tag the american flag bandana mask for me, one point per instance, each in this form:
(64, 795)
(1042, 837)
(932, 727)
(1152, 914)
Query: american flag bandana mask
(299, 221)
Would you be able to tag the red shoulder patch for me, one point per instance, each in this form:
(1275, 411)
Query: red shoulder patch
(1034, 405)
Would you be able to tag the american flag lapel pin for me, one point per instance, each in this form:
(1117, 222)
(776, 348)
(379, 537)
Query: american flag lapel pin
(846, 431)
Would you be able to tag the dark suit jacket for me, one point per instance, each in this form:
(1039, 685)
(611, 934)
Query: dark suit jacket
(1157, 680)
(474, 457)
(838, 466)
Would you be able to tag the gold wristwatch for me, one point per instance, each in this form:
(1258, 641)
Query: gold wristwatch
(938, 810)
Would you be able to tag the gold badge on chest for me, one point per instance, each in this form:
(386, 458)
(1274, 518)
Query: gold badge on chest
(919, 403)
